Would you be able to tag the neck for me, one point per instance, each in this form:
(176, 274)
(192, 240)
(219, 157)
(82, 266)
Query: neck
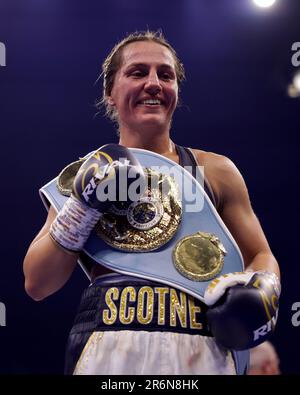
(155, 142)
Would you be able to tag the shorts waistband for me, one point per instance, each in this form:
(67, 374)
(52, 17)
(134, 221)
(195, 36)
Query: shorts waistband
(118, 302)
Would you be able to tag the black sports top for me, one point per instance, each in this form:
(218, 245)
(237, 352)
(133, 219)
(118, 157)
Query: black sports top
(187, 158)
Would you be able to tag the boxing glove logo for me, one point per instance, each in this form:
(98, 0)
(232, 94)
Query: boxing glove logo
(106, 173)
(265, 329)
(269, 297)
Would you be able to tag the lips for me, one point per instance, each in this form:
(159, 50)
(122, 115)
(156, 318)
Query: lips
(150, 102)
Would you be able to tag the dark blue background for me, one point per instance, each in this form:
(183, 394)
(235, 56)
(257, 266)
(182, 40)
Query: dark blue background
(238, 63)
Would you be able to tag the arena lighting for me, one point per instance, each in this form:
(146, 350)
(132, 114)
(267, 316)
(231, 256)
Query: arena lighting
(264, 3)
(296, 81)
(293, 89)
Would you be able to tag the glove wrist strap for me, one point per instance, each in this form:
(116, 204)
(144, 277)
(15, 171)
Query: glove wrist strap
(73, 224)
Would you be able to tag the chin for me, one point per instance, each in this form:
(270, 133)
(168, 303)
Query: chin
(153, 121)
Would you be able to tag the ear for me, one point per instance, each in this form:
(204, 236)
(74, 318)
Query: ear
(110, 101)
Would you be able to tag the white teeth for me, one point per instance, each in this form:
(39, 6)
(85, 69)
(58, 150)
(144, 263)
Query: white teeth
(151, 101)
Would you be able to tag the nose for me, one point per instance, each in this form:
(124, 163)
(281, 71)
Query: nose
(152, 84)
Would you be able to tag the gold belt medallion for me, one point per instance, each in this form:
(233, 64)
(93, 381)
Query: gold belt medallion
(199, 256)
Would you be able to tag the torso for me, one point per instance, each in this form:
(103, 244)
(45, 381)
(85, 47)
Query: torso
(205, 159)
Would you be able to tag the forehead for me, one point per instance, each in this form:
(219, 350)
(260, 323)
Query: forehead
(147, 52)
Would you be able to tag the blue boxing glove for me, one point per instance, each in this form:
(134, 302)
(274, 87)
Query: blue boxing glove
(108, 176)
(243, 308)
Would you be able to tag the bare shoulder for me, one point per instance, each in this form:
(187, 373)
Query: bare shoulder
(222, 174)
(215, 162)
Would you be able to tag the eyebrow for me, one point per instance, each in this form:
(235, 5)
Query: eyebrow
(144, 65)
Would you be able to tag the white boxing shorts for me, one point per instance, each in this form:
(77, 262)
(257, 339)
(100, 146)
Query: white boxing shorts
(128, 325)
(152, 353)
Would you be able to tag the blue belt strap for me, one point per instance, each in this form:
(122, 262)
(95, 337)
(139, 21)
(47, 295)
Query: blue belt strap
(207, 219)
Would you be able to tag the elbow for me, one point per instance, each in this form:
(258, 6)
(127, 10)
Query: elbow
(35, 292)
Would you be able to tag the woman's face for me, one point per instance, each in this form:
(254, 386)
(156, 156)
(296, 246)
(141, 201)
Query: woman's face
(145, 90)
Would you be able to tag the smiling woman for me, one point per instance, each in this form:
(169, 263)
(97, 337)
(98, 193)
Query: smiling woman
(123, 326)
(145, 90)
(115, 60)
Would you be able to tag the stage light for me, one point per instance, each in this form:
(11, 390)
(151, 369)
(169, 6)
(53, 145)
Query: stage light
(293, 89)
(264, 3)
(296, 81)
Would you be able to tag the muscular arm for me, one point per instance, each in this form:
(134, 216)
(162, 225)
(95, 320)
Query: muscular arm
(237, 213)
(46, 267)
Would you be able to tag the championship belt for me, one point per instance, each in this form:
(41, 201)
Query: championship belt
(172, 234)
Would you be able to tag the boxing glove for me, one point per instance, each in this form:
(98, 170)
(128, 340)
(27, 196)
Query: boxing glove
(109, 175)
(243, 308)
